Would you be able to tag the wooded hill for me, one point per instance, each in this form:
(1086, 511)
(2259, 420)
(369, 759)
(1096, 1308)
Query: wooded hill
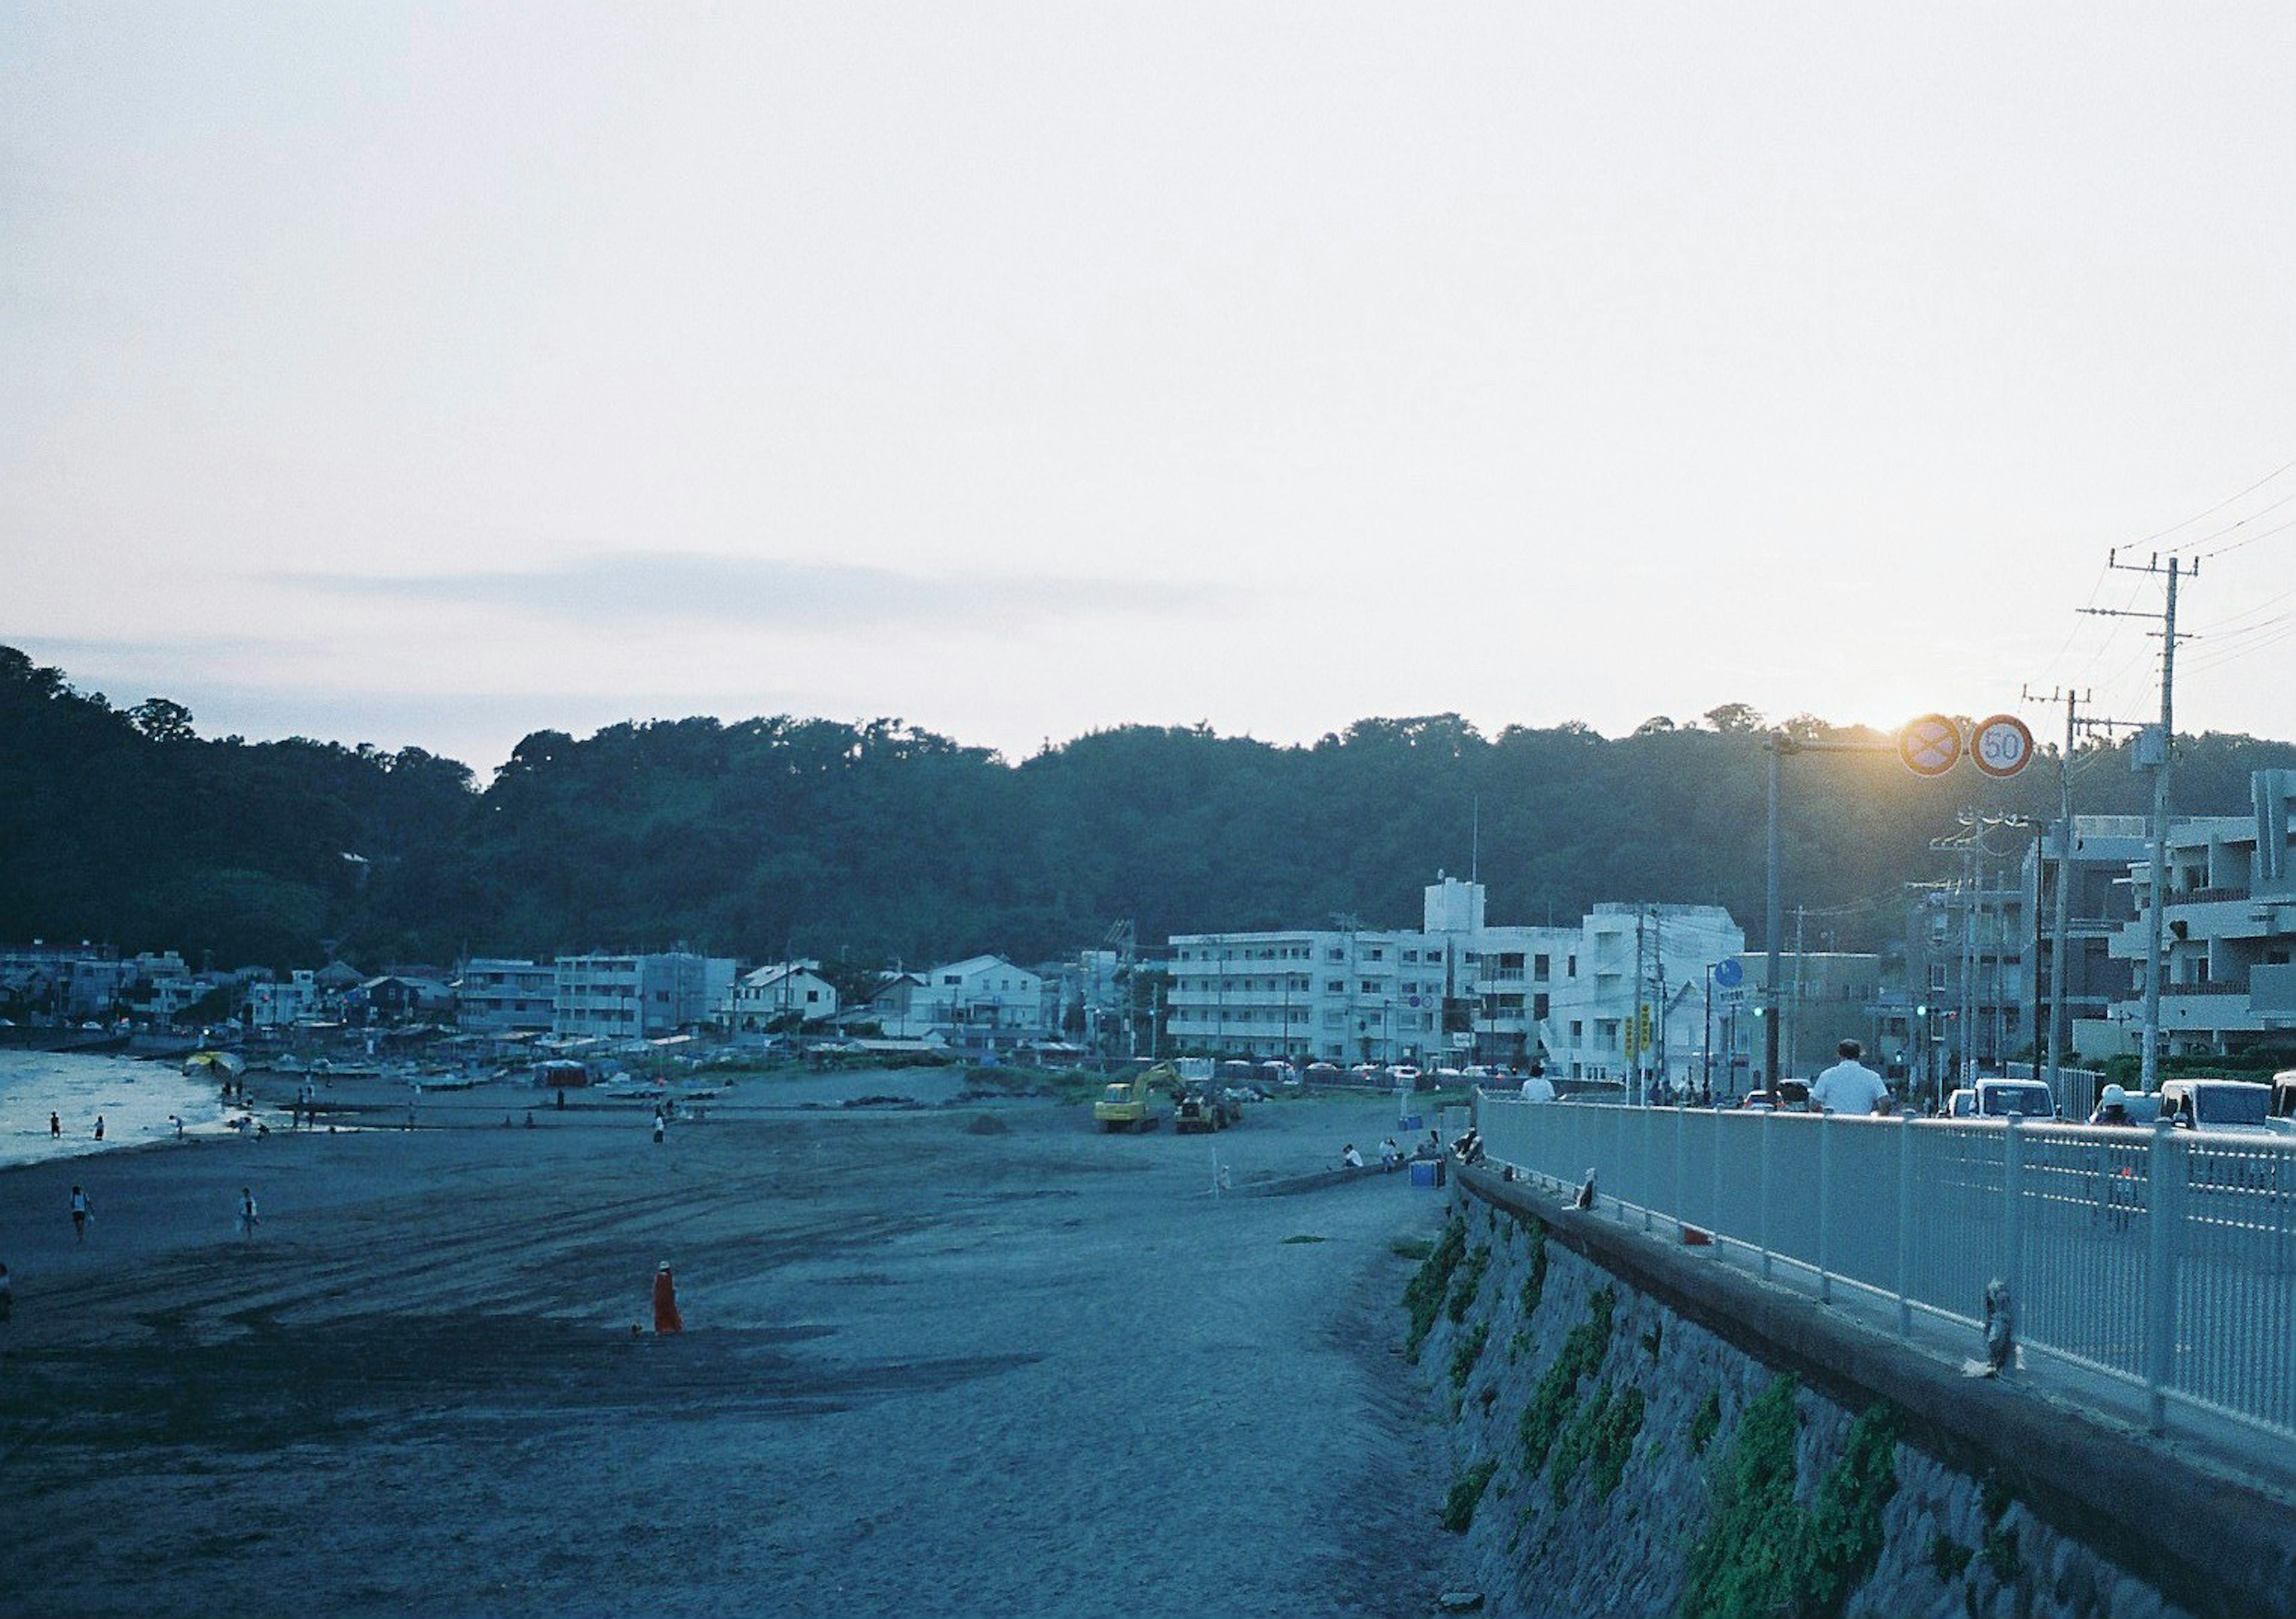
(880, 841)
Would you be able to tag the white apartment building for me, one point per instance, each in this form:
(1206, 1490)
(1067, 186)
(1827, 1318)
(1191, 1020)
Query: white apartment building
(630, 996)
(2228, 972)
(500, 995)
(1457, 989)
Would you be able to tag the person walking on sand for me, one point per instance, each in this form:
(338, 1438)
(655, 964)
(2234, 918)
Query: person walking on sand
(248, 1217)
(80, 1212)
(666, 1317)
(660, 1127)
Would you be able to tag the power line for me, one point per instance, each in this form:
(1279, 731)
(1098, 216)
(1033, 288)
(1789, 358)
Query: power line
(2212, 511)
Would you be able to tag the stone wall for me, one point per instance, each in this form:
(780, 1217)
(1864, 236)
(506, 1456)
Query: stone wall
(1612, 1455)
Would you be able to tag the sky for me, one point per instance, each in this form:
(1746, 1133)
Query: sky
(428, 376)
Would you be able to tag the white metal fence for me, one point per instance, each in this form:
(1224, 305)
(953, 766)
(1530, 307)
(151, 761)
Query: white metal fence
(2160, 1257)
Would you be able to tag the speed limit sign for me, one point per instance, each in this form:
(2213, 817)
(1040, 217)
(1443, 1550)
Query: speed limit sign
(2002, 746)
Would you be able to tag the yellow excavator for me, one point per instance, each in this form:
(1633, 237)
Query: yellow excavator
(1130, 1104)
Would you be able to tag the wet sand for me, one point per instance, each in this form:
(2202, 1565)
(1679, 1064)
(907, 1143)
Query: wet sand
(969, 1360)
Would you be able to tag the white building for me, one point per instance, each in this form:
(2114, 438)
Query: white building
(780, 995)
(981, 1001)
(630, 996)
(497, 995)
(278, 1006)
(1458, 989)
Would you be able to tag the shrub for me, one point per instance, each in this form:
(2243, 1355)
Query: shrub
(1705, 1422)
(1469, 1350)
(1556, 1396)
(1466, 1494)
(1762, 1554)
(1470, 1282)
(1423, 1296)
(1534, 1285)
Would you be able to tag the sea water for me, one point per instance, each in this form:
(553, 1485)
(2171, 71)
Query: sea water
(135, 1097)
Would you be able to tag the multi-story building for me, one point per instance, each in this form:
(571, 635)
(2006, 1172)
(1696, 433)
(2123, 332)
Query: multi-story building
(630, 996)
(2228, 971)
(1457, 989)
(500, 995)
(274, 1004)
(2092, 872)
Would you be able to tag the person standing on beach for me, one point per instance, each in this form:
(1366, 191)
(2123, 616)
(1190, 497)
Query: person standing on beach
(666, 1317)
(248, 1217)
(80, 1211)
(660, 1127)
(99, 1126)
(56, 1128)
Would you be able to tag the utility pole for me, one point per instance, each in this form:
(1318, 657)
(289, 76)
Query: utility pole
(2164, 750)
(2060, 943)
(1774, 924)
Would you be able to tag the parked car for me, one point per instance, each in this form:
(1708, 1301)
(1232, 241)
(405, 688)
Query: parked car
(1320, 1073)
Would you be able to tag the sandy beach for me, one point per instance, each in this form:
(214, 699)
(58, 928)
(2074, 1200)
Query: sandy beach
(963, 1359)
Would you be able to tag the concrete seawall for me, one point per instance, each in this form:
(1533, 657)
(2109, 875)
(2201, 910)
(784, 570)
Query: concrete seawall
(1614, 1395)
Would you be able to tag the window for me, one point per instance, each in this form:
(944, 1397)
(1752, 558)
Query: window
(1540, 966)
(1578, 1032)
(1335, 986)
(1538, 1007)
(1571, 970)
(1335, 955)
(1411, 955)
(1377, 953)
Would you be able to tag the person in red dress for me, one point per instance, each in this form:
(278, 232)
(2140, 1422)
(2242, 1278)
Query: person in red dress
(666, 1317)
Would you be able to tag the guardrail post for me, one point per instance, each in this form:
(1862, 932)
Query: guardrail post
(2013, 1218)
(1714, 1209)
(2165, 1171)
(1905, 1228)
(1646, 1157)
(1762, 1225)
(1678, 1213)
(1824, 1208)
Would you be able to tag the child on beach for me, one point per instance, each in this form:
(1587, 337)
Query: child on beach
(80, 1211)
(248, 1218)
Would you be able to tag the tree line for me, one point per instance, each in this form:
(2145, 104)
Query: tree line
(880, 842)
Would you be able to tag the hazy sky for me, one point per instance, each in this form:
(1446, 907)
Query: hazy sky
(431, 376)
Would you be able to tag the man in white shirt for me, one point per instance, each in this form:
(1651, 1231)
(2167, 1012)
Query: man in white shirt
(1849, 1086)
(1538, 1087)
